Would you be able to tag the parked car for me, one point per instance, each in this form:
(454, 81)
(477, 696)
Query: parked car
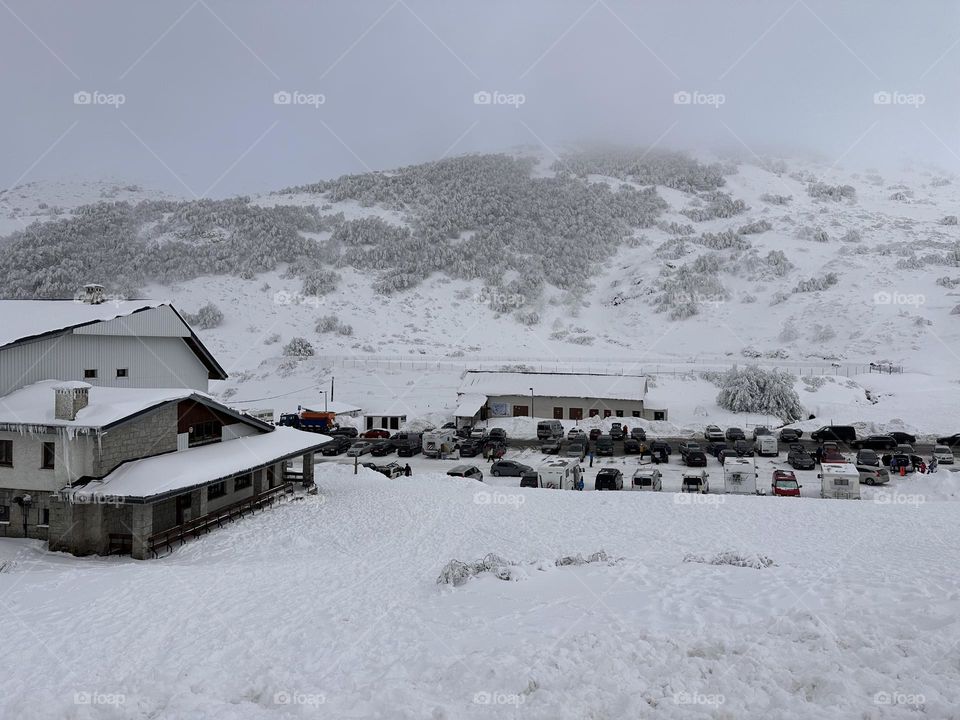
(376, 434)
(336, 446)
(464, 432)
(616, 431)
(950, 441)
(449, 426)
(530, 479)
(478, 434)
(633, 447)
(904, 448)
(695, 482)
(743, 448)
(875, 442)
(713, 433)
(785, 484)
(686, 445)
(638, 433)
(411, 447)
(695, 458)
(595, 434)
(790, 435)
(735, 433)
(660, 451)
(550, 447)
(549, 430)
(466, 471)
(604, 445)
(868, 457)
(471, 448)
(391, 470)
(609, 479)
(943, 454)
(761, 430)
(903, 437)
(896, 461)
(715, 448)
(346, 431)
(870, 475)
(646, 479)
(510, 468)
(381, 448)
(497, 435)
(359, 448)
(576, 434)
(577, 449)
(843, 434)
(799, 459)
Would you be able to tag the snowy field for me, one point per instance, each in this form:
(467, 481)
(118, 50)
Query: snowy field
(329, 607)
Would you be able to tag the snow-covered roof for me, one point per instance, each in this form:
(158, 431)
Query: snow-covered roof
(22, 319)
(334, 406)
(175, 471)
(469, 404)
(34, 404)
(577, 385)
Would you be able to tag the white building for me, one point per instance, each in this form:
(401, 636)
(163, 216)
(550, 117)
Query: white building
(487, 394)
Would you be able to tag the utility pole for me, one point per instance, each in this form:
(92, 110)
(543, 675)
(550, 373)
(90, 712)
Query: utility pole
(531, 404)
(331, 387)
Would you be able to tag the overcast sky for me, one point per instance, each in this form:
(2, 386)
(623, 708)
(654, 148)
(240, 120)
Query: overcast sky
(182, 95)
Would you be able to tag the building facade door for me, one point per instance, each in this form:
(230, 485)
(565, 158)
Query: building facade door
(184, 508)
(576, 413)
(520, 411)
(558, 413)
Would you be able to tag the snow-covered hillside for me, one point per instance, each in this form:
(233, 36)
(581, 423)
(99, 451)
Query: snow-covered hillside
(329, 607)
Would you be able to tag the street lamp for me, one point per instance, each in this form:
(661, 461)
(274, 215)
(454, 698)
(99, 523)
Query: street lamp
(531, 403)
(324, 400)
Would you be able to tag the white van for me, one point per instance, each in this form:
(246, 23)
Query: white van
(839, 480)
(740, 476)
(439, 442)
(562, 473)
(695, 481)
(766, 445)
(549, 430)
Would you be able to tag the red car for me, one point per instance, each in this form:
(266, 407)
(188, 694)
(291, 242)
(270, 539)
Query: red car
(376, 433)
(785, 484)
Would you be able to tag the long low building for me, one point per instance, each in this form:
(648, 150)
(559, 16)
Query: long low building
(485, 394)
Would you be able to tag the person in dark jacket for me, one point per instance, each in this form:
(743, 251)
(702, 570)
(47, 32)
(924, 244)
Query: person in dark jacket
(407, 472)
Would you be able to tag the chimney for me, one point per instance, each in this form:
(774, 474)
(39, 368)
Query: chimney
(70, 398)
(92, 294)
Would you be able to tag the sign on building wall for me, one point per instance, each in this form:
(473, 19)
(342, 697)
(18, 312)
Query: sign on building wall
(499, 409)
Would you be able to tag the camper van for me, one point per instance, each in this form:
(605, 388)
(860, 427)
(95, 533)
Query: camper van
(839, 480)
(440, 442)
(549, 430)
(740, 476)
(766, 445)
(562, 473)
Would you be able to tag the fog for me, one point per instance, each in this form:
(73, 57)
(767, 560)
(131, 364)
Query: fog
(183, 95)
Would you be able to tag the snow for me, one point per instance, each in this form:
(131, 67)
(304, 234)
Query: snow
(28, 318)
(161, 474)
(587, 385)
(469, 404)
(329, 607)
(34, 404)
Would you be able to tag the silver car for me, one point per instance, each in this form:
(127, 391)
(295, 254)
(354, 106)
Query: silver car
(646, 479)
(870, 475)
(943, 454)
(361, 447)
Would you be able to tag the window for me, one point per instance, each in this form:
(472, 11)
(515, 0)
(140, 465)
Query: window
(121, 372)
(576, 413)
(4, 513)
(594, 412)
(607, 413)
(89, 374)
(48, 456)
(619, 413)
(520, 411)
(659, 415)
(558, 413)
(45, 516)
(217, 490)
(6, 453)
(204, 432)
(271, 476)
(242, 482)
(394, 423)
(636, 413)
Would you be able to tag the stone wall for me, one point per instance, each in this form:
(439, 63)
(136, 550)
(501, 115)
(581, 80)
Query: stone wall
(149, 434)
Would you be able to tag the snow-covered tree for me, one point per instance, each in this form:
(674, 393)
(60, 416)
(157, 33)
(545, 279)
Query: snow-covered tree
(753, 389)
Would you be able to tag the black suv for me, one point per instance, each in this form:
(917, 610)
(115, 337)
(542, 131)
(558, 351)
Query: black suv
(875, 442)
(470, 448)
(497, 435)
(609, 479)
(840, 434)
(604, 445)
(381, 448)
(336, 446)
